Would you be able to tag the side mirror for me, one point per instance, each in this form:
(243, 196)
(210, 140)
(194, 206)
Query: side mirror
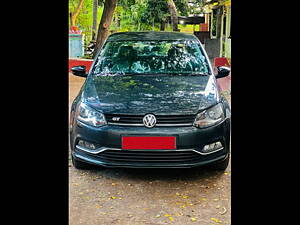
(79, 71)
(223, 71)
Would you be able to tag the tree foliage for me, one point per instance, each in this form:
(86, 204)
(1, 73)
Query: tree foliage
(129, 15)
(85, 17)
(74, 14)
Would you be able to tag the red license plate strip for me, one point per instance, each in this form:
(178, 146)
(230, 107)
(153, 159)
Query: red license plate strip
(134, 142)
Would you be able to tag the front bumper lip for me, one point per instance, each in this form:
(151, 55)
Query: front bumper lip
(87, 159)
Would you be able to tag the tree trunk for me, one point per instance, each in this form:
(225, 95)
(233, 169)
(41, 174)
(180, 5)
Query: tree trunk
(103, 29)
(95, 13)
(75, 14)
(70, 14)
(174, 16)
(153, 25)
(163, 24)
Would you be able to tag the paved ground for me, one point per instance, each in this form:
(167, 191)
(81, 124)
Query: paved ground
(147, 196)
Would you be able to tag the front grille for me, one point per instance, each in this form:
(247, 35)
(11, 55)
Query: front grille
(161, 120)
(150, 156)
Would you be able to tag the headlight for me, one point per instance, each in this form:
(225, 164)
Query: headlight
(90, 116)
(209, 117)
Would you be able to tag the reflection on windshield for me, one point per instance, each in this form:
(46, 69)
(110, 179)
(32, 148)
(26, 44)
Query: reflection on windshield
(151, 57)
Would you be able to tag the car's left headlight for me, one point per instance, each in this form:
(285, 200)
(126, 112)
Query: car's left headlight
(90, 116)
(209, 117)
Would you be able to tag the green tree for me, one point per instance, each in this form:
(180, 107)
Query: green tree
(154, 12)
(132, 13)
(157, 11)
(85, 17)
(74, 14)
(121, 15)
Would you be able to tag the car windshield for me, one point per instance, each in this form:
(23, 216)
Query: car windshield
(151, 57)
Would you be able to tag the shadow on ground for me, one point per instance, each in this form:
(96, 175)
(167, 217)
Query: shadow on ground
(190, 174)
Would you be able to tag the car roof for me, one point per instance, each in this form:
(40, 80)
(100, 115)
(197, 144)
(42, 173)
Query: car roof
(151, 36)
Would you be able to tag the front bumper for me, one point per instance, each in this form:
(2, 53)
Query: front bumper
(189, 140)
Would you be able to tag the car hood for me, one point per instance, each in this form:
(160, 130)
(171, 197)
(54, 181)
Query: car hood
(158, 94)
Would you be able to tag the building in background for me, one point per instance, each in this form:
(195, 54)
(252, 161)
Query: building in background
(220, 28)
(76, 43)
(214, 30)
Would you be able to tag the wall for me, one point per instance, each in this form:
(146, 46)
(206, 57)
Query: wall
(212, 47)
(80, 62)
(76, 46)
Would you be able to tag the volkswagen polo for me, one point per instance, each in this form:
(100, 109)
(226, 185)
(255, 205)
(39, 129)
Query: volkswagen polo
(150, 99)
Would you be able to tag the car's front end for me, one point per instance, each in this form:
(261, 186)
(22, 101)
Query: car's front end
(193, 146)
(146, 120)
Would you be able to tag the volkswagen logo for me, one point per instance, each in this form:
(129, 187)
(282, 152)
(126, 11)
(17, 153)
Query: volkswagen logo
(149, 120)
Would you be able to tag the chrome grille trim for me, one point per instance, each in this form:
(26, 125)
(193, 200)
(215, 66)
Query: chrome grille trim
(157, 125)
(161, 120)
(102, 149)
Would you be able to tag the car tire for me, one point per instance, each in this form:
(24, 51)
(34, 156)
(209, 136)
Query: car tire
(221, 166)
(80, 165)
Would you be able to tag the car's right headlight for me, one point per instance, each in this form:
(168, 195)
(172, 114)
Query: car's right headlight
(209, 117)
(90, 116)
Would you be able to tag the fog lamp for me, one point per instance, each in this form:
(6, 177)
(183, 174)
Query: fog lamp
(87, 145)
(212, 147)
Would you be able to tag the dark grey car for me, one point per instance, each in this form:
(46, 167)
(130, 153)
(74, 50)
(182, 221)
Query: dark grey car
(150, 100)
